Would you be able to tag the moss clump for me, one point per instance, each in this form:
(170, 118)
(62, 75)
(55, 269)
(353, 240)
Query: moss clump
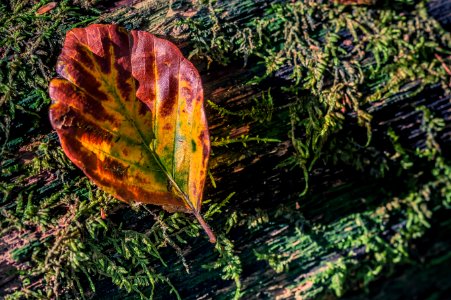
(337, 60)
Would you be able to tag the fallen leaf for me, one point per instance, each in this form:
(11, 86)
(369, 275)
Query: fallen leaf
(103, 215)
(356, 2)
(46, 8)
(129, 111)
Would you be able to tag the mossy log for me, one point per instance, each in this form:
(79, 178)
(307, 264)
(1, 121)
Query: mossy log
(351, 222)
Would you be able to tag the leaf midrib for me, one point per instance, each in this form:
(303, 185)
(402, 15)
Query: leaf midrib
(151, 154)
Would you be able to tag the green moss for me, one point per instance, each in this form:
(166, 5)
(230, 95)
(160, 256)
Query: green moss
(43, 198)
(337, 59)
(316, 67)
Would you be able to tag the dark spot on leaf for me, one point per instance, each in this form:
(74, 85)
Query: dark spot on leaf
(116, 168)
(105, 65)
(143, 109)
(203, 138)
(169, 102)
(74, 72)
(122, 82)
(188, 95)
(74, 97)
(84, 56)
(96, 135)
(205, 151)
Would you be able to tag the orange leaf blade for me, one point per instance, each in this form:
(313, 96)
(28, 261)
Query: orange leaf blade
(46, 8)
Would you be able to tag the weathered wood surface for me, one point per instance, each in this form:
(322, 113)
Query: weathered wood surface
(335, 191)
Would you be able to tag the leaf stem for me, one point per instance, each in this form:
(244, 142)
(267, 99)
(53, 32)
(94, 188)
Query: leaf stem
(185, 198)
(205, 226)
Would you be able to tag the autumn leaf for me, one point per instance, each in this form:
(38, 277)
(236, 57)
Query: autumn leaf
(46, 8)
(356, 2)
(129, 111)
